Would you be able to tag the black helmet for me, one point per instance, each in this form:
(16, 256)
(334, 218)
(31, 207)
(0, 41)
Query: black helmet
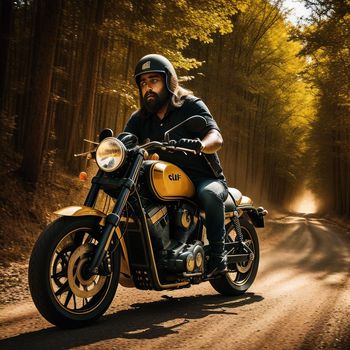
(160, 64)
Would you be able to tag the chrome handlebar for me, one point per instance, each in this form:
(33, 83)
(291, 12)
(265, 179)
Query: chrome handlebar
(165, 146)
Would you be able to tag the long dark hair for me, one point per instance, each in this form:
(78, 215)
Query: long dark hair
(179, 95)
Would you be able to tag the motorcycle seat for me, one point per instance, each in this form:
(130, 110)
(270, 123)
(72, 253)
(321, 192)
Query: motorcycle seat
(234, 198)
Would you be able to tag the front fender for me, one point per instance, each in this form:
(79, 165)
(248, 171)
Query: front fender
(80, 211)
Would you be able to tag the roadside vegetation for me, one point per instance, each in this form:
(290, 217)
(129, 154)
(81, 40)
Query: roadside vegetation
(279, 92)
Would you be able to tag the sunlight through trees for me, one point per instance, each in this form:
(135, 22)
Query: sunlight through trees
(280, 94)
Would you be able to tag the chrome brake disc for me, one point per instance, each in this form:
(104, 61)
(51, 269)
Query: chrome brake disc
(81, 283)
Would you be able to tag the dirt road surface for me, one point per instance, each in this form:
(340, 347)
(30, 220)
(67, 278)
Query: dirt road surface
(300, 300)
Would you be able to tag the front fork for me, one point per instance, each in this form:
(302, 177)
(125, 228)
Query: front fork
(113, 219)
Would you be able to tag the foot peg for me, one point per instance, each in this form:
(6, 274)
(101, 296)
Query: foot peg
(217, 265)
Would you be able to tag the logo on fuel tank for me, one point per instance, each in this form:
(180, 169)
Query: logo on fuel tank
(174, 177)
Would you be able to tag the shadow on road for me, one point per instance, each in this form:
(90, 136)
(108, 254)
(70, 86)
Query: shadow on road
(143, 321)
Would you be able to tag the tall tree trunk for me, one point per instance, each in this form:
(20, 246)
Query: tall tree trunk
(5, 24)
(93, 69)
(44, 44)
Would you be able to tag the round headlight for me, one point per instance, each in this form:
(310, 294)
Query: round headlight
(110, 154)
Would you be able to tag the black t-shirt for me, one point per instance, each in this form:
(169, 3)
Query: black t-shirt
(150, 127)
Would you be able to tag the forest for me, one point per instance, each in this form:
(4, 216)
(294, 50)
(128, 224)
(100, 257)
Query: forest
(280, 92)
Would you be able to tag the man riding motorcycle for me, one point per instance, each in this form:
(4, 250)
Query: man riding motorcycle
(151, 236)
(164, 104)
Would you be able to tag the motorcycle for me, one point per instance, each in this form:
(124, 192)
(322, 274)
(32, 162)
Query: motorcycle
(152, 236)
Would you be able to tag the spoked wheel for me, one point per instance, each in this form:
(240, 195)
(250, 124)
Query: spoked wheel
(241, 275)
(62, 288)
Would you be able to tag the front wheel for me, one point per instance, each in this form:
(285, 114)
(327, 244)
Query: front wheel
(63, 290)
(238, 282)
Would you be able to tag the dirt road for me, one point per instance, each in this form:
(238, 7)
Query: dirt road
(300, 300)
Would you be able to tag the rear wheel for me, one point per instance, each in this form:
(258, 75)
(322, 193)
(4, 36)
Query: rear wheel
(63, 290)
(244, 273)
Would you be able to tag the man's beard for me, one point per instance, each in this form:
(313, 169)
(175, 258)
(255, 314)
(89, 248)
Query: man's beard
(154, 104)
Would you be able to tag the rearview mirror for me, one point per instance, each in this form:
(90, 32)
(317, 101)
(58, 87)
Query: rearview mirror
(104, 134)
(195, 124)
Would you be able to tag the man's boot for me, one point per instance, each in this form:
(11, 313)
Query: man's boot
(217, 259)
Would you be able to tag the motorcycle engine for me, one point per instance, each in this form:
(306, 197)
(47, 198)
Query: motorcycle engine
(182, 257)
(184, 222)
(158, 223)
(170, 229)
(185, 258)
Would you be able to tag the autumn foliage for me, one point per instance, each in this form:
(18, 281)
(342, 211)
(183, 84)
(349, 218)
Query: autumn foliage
(280, 95)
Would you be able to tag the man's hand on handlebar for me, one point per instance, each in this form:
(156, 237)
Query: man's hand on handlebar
(193, 144)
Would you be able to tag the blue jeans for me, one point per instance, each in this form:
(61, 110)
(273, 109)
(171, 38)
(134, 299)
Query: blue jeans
(211, 195)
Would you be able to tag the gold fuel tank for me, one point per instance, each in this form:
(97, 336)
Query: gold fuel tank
(168, 182)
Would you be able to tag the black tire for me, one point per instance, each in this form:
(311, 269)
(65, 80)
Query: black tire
(62, 291)
(237, 283)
